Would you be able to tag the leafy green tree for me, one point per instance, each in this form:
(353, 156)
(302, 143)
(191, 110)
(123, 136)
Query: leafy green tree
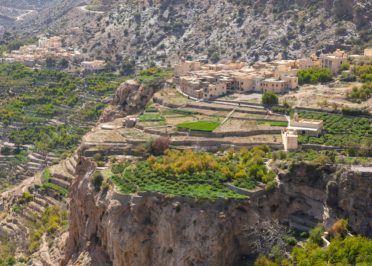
(314, 75)
(269, 98)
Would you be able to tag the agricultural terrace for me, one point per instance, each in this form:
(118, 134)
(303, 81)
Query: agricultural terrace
(196, 174)
(340, 131)
(47, 110)
(205, 117)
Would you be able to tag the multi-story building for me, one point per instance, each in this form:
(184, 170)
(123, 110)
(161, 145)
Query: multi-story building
(290, 139)
(333, 61)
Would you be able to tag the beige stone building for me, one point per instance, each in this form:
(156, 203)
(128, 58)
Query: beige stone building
(275, 85)
(290, 139)
(213, 80)
(368, 52)
(309, 127)
(95, 65)
(333, 61)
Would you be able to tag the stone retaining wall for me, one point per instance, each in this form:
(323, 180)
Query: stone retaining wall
(245, 192)
(318, 147)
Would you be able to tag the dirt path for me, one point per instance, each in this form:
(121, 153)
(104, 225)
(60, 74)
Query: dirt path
(20, 17)
(85, 9)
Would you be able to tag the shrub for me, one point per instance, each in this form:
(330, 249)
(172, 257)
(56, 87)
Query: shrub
(26, 197)
(345, 66)
(118, 168)
(316, 234)
(362, 93)
(271, 185)
(97, 180)
(348, 77)
(339, 228)
(269, 98)
(159, 146)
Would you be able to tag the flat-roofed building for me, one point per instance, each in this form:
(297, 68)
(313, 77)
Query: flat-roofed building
(333, 61)
(304, 63)
(309, 127)
(290, 139)
(184, 68)
(275, 85)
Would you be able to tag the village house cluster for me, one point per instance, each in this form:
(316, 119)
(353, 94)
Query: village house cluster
(213, 80)
(32, 55)
(205, 81)
(36, 55)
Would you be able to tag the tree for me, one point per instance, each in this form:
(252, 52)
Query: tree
(50, 62)
(97, 180)
(63, 63)
(269, 98)
(316, 234)
(128, 67)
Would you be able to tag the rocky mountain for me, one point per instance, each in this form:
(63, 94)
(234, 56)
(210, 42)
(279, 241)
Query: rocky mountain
(164, 31)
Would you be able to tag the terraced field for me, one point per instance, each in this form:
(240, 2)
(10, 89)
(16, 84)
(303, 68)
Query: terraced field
(43, 114)
(341, 131)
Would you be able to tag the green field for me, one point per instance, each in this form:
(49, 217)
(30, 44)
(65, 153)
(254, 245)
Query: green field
(151, 118)
(272, 123)
(207, 126)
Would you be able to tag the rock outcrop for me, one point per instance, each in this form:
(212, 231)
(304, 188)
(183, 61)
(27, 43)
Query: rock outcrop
(129, 98)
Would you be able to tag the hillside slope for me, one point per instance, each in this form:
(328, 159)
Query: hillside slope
(164, 31)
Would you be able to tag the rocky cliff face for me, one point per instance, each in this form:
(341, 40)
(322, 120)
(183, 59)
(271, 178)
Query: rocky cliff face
(164, 31)
(150, 229)
(310, 195)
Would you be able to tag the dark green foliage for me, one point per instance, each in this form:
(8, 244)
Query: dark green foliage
(118, 168)
(53, 136)
(269, 98)
(348, 77)
(314, 75)
(364, 72)
(97, 180)
(316, 234)
(153, 76)
(360, 94)
(340, 131)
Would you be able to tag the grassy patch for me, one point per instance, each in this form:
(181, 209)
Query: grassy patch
(151, 118)
(272, 123)
(207, 126)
